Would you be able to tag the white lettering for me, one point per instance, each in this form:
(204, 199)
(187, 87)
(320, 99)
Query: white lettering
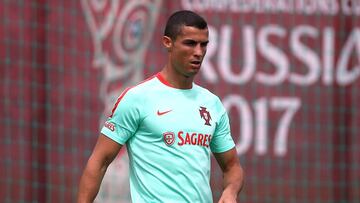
(305, 54)
(274, 55)
(319, 63)
(249, 56)
(243, 109)
(328, 56)
(261, 135)
(350, 7)
(208, 70)
(309, 7)
(345, 76)
(289, 105)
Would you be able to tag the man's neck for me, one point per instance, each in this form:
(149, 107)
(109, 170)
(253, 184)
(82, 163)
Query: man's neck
(175, 79)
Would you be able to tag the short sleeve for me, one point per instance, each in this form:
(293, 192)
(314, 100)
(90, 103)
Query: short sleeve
(222, 140)
(124, 121)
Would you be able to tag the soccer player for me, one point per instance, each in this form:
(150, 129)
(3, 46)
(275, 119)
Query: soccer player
(170, 127)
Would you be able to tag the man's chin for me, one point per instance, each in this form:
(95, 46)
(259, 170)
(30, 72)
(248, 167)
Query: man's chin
(192, 73)
(195, 69)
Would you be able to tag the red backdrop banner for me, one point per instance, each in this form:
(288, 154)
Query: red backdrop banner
(287, 72)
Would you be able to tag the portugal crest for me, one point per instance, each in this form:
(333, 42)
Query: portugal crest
(169, 138)
(204, 114)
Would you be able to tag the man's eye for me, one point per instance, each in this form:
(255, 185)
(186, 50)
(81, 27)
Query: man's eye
(190, 43)
(204, 44)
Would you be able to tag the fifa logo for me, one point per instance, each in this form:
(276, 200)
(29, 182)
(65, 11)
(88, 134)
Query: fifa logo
(204, 114)
(121, 32)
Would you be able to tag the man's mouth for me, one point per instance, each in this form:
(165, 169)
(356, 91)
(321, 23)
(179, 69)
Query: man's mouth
(195, 63)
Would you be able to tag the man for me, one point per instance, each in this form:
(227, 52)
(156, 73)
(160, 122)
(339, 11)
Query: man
(170, 126)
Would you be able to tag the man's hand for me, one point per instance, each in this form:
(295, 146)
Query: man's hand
(227, 198)
(233, 175)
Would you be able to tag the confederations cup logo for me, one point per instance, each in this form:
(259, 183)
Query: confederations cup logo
(121, 32)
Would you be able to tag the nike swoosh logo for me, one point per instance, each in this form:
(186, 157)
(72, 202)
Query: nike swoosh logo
(163, 112)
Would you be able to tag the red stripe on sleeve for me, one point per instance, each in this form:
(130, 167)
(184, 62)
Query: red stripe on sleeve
(123, 94)
(118, 101)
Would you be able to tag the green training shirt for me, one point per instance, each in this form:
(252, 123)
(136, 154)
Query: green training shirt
(170, 134)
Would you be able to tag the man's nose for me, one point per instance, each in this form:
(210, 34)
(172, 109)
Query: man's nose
(199, 50)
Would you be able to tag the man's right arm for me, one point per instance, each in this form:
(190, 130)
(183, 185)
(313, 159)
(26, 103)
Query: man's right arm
(103, 154)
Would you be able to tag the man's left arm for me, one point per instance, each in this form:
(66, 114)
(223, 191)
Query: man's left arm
(233, 175)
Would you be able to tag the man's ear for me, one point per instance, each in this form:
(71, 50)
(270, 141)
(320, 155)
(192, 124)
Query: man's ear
(167, 42)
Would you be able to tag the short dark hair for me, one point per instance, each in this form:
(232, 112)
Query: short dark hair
(183, 18)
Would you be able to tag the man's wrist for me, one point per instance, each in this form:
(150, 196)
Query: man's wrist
(230, 192)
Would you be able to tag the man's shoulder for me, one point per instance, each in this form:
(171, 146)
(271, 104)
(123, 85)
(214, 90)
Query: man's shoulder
(205, 91)
(136, 93)
(142, 87)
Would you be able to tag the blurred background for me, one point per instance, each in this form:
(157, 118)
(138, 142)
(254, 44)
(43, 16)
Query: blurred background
(287, 71)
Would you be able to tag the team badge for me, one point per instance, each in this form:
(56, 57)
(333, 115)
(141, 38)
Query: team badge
(110, 126)
(169, 138)
(204, 114)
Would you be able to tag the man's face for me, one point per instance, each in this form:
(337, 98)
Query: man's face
(188, 50)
